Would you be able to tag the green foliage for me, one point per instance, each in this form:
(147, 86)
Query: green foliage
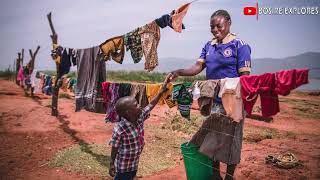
(145, 77)
(7, 74)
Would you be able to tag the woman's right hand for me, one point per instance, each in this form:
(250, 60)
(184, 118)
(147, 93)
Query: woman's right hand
(174, 75)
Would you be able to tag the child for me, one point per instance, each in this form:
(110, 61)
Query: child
(128, 135)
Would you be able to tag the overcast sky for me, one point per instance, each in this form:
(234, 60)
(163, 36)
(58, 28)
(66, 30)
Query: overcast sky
(86, 23)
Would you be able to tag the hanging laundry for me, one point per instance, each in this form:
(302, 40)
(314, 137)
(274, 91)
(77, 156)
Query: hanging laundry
(288, 80)
(113, 48)
(220, 138)
(150, 37)
(208, 91)
(262, 85)
(42, 81)
(56, 53)
(166, 20)
(163, 21)
(132, 41)
(91, 74)
(73, 56)
(47, 89)
(167, 96)
(124, 90)
(65, 64)
(33, 78)
(110, 95)
(139, 92)
(153, 89)
(65, 82)
(72, 85)
(20, 76)
(230, 92)
(178, 16)
(182, 94)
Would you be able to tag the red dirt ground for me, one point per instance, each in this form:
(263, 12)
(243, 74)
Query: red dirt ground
(30, 136)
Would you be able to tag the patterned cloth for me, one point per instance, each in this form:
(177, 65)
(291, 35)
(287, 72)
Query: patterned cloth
(130, 141)
(150, 37)
(132, 40)
(182, 94)
(110, 94)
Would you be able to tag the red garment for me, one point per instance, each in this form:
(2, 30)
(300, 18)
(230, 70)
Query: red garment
(288, 80)
(105, 88)
(262, 85)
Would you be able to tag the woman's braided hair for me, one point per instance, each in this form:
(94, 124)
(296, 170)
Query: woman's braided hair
(222, 13)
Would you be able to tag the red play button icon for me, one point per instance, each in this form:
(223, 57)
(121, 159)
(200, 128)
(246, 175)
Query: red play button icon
(249, 11)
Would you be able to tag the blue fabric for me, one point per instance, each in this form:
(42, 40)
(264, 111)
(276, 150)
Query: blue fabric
(125, 176)
(225, 60)
(65, 63)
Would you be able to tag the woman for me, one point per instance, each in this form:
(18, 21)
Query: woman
(224, 56)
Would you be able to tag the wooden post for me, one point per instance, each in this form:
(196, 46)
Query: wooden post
(55, 90)
(31, 65)
(33, 58)
(18, 63)
(22, 56)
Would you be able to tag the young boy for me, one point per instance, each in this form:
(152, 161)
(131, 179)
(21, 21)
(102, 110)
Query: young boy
(128, 135)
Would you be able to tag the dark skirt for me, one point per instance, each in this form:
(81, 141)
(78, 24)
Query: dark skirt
(220, 138)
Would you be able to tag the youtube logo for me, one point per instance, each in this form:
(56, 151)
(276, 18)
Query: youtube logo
(249, 11)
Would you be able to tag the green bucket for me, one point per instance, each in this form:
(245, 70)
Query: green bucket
(197, 165)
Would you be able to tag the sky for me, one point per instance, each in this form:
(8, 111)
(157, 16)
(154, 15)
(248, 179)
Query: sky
(87, 23)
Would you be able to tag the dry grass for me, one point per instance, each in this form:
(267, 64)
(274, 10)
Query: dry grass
(256, 134)
(176, 122)
(304, 108)
(162, 151)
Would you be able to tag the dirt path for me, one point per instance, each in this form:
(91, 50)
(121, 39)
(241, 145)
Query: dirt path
(30, 137)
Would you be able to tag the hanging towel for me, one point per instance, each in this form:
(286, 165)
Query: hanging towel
(150, 37)
(262, 85)
(91, 74)
(113, 48)
(178, 16)
(230, 92)
(132, 41)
